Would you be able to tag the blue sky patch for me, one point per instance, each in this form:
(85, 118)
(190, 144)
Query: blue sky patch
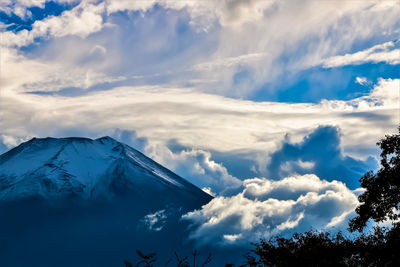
(317, 83)
(51, 8)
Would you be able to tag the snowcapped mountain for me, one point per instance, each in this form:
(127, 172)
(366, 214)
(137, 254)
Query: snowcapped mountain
(81, 202)
(87, 169)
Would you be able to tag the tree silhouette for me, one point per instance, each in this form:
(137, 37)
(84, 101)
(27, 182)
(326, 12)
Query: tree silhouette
(184, 262)
(381, 199)
(309, 249)
(379, 248)
(146, 260)
(149, 260)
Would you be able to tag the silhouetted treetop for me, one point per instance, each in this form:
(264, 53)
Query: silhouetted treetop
(381, 199)
(376, 249)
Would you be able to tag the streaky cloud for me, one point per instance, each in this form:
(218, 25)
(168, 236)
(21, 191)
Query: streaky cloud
(386, 52)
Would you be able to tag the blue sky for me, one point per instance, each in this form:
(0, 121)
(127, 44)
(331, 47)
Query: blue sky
(232, 95)
(17, 22)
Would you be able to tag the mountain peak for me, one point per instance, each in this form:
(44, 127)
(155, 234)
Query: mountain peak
(81, 167)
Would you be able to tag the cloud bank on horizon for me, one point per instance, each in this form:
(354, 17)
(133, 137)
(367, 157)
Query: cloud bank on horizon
(272, 106)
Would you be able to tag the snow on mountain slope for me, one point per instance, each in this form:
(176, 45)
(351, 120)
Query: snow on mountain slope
(60, 167)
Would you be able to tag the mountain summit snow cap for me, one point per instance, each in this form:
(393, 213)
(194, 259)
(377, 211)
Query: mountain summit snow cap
(49, 168)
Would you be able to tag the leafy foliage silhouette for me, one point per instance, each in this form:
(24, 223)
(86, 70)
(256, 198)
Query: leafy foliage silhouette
(308, 249)
(146, 260)
(381, 198)
(379, 248)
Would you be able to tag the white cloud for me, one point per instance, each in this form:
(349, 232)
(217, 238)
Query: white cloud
(301, 32)
(290, 166)
(209, 191)
(243, 36)
(198, 168)
(155, 221)
(288, 224)
(113, 6)
(229, 62)
(259, 31)
(26, 75)
(19, 8)
(11, 141)
(205, 121)
(386, 92)
(82, 20)
(361, 80)
(263, 209)
(375, 54)
(226, 12)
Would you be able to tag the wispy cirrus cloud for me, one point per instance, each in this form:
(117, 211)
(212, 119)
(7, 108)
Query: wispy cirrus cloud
(385, 52)
(206, 123)
(201, 120)
(318, 30)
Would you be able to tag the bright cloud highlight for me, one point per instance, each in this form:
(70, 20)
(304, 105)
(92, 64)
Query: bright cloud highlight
(265, 208)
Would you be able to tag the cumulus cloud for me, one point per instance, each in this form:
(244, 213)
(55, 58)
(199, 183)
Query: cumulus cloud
(208, 191)
(21, 7)
(198, 168)
(319, 153)
(266, 207)
(194, 165)
(378, 53)
(9, 141)
(82, 20)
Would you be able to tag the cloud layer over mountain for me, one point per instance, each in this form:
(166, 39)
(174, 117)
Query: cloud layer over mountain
(218, 91)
